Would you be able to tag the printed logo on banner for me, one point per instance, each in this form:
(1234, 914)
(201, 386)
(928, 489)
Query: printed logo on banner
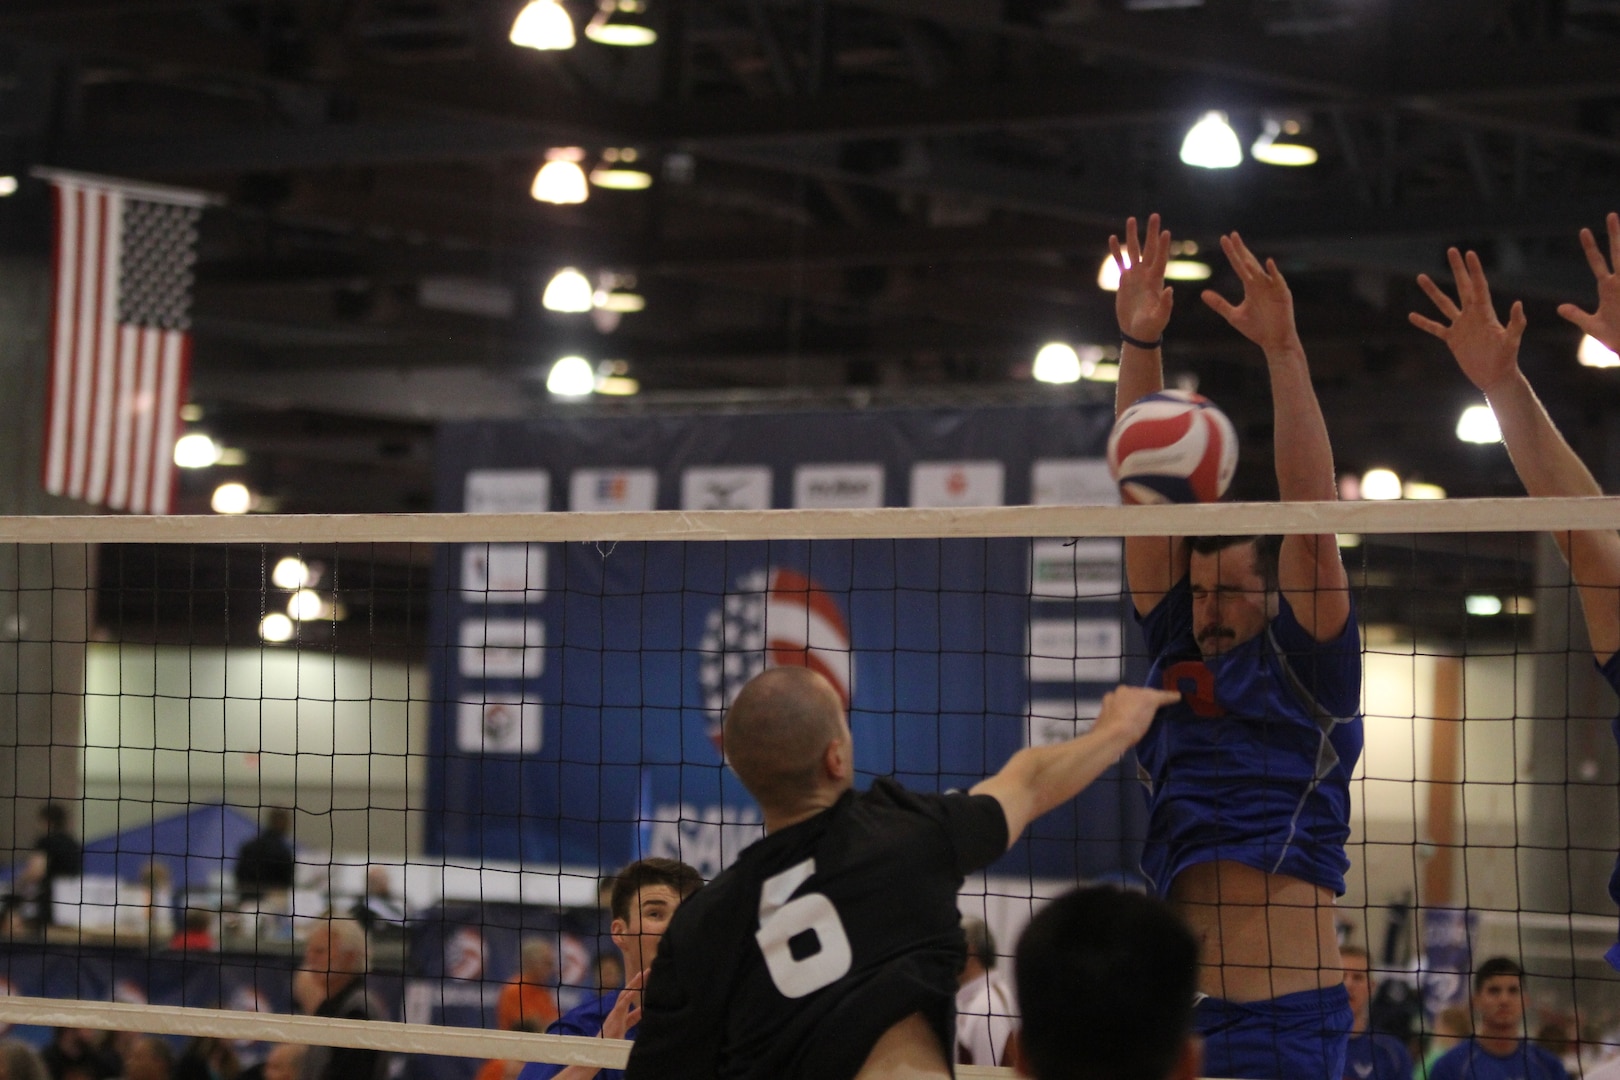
(248, 999)
(1057, 720)
(1072, 482)
(613, 489)
(957, 483)
(502, 648)
(507, 491)
(503, 573)
(500, 724)
(706, 838)
(729, 487)
(1074, 650)
(1075, 569)
(776, 618)
(130, 993)
(837, 487)
(464, 954)
(574, 962)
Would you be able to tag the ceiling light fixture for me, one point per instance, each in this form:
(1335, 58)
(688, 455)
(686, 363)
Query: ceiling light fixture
(1272, 147)
(1593, 353)
(1381, 485)
(1186, 270)
(572, 377)
(291, 572)
(196, 451)
(1417, 489)
(231, 498)
(305, 605)
(560, 180)
(569, 291)
(622, 23)
(8, 186)
(623, 303)
(618, 171)
(1477, 424)
(1212, 144)
(1108, 273)
(544, 25)
(1057, 362)
(1483, 605)
(276, 627)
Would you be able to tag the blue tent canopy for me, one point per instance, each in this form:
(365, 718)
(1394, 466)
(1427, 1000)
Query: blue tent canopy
(198, 847)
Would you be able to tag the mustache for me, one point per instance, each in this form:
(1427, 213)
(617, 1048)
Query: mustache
(1211, 632)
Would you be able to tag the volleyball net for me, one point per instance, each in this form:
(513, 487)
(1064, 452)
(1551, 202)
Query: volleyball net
(470, 722)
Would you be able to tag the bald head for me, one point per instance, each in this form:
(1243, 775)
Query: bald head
(777, 733)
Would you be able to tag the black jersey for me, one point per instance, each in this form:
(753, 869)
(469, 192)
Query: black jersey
(821, 937)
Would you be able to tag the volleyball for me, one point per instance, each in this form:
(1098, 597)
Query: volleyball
(1172, 446)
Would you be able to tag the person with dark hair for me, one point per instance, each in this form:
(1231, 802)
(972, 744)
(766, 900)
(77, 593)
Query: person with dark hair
(1248, 778)
(985, 1016)
(830, 948)
(1106, 984)
(265, 863)
(1498, 1049)
(79, 1054)
(1370, 1055)
(643, 899)
(150, 1057)
(57, 854)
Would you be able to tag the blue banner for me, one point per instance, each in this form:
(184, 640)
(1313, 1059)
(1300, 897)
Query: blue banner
(578, 688)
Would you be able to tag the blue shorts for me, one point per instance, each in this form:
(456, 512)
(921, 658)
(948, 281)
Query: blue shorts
(1296, 1035)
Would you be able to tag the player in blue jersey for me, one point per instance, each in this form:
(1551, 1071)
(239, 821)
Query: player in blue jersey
(1488, 353)
(1370, 1055)
(1248, 777)
(1498, 1049)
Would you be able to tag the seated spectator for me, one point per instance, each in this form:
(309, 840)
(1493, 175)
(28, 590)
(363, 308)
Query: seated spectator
(1106, 981)
(985, 1016)
(379, 911)
(528, 996)
(285, 1062)
(79, 1054)
(196, 933)
(331, 981)
(149, 1057)
(19, 1061)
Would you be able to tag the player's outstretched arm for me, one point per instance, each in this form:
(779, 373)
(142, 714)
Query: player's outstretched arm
(1142, 306)
(1604, 323)
(1042, 778)
(1309, 569)
(1488, 354)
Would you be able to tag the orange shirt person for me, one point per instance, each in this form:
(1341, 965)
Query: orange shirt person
(527, 1001)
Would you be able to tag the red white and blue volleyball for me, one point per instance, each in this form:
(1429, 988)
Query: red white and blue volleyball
(1173, 446)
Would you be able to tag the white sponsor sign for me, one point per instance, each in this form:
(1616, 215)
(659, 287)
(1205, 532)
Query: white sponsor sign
(1057, 720)
(500, 724)
(957, 483)
(613, 489)
(507, 491)
(1074, 650)
(728, 487)
(1075, 569)
(503, 573)
(836, 487)
(502, 648)
(1072, 482)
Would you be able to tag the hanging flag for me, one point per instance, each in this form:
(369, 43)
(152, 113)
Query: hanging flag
(120, 340)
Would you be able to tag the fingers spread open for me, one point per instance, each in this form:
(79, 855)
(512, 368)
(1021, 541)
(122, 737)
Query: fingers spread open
(1438, 295)
(1614, 236)
(1133, 244)
(1580, 318)
(1428, 326)
(1219, 305)
(1516, 323)
(1477, 280)
(1594, 257)
(1459, 276)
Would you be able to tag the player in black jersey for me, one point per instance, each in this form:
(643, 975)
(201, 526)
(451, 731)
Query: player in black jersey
(830, 949)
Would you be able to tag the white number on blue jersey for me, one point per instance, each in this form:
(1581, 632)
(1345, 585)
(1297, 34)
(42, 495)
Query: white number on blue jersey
(781, 920)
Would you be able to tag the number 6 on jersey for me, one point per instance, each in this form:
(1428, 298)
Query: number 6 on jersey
(803, 939)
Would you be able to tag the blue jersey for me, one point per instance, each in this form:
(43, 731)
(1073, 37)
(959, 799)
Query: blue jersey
(1611, 672)
(1253, 765)
(1372, 1055)
(1468, 1060)
(584, 1019)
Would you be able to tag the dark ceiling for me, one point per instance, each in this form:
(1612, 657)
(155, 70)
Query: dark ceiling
(886, 199)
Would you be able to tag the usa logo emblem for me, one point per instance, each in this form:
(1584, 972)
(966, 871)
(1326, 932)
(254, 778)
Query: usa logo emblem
(776, 618)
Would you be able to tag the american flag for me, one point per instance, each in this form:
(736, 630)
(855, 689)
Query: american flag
(120, 342)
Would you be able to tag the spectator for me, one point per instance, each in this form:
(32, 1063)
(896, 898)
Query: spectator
(528, 996)
(196, 933)
(645, 896)
(1498, 1049)
(19, 1061)
(332, 982)
(264, 864)
(1370, 1055)
(78, 1054)
(149, 1058)
(379, 911)
(207, 1059)
(1106, 983)
(984, 1009)
(284, 1062)
(57, 854)
(609, 971)
(1451, 1026)
(158, 885)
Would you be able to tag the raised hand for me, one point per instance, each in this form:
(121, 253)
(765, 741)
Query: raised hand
(1143, 302)
(1604, 323)
(1266, 314)
(1487, 351)
(626, 1012)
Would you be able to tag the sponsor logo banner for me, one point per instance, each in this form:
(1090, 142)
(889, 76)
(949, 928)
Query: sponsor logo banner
(1057, 720)
(500, 724)
(503, 573)
(502, 648)
(834, 487)
(1072, 482)
(745, 487)
(613, 489)
(1075, 569)
(957, 483)
(507, 491)
(1074, 650)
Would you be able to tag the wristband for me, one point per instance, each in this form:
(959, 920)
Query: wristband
(1139, 343)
